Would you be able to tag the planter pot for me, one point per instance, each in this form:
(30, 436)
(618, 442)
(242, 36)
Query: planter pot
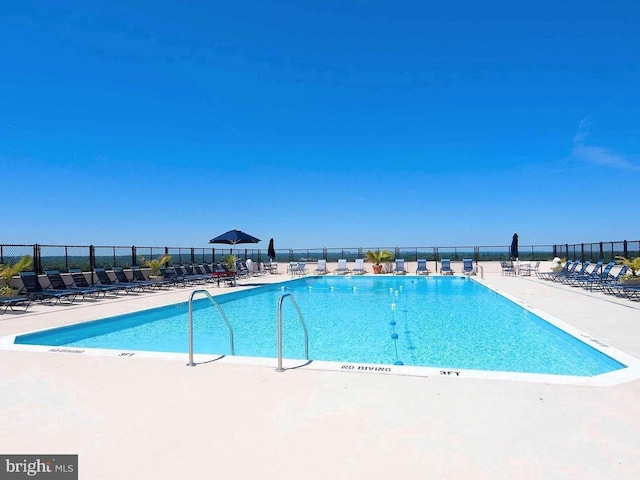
(630, 281)
(377, 269)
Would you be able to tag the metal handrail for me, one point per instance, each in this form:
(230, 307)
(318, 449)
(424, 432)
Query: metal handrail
(224, 317)
(304, 327)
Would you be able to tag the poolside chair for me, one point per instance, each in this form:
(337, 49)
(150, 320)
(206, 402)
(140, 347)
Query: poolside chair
(321, 268)
(445, 267)
(200, 271)
(422, 269)
(122, 279)
(298, 269)
(223, 274)
(206, 268)
(254, 268)
(79, 280)
(584, 274)
(569, 276)
(595, 278)
(172, 278)
(105, 279)
(138, 277)
(10, 302)
(399, 269)
(507, 269)
(529, 268)
(467, 267)
(188, 275)
(56, 282)
(249, 264)
(241, 269)
(270, 267)
(359, 269)
(613, 285)
(342, 267)
(34, 291)
(566, 269)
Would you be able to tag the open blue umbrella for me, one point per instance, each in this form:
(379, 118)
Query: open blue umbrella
(234, 237)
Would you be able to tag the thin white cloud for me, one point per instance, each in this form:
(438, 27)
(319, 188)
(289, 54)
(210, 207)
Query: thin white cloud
(602, 156)
(596, 155)
(583, 130)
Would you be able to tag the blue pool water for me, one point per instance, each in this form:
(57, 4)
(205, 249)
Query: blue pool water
(443, 322)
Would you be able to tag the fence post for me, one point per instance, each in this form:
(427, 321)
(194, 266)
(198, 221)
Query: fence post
(37, 267)
(625, 252)
(134, 257)
(92, 261)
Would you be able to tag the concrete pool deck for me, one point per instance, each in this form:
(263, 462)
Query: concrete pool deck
(150, 418)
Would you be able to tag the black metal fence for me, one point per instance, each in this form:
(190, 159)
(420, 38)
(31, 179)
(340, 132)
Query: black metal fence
(86, 257)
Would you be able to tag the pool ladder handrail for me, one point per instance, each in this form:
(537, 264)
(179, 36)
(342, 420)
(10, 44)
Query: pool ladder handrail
(304, 327)
(224, 317)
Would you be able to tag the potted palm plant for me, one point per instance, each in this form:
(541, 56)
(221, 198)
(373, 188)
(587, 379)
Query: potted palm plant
(7, 272)
(155, 265)
(378, 257)
(632, 278)
(230, 262)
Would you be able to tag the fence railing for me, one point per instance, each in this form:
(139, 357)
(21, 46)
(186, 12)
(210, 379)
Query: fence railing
(86, 257)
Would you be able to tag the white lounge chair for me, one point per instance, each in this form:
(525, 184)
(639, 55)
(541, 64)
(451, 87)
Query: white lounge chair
(422, 269)
(445, 267)
(299, 269)
(253, 270)
(342, 267)
(321, 269)
(399, 268)
(467, 267)
(359, 268)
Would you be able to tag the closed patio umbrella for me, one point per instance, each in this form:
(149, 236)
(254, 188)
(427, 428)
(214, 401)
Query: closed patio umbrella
(271, 251)
(514, 246)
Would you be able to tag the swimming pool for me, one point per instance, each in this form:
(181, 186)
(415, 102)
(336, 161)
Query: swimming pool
(442, 322)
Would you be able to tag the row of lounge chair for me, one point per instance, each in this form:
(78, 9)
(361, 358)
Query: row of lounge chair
(60, 290)
(594, 277)
(299, 268)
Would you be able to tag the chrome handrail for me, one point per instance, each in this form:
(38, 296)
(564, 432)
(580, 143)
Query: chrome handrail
(224, 317)
(304, 327)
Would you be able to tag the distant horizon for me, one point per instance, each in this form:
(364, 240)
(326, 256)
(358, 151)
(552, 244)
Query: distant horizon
(263, 245)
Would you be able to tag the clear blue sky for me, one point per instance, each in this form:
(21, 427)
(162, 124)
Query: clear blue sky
(319, 123)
